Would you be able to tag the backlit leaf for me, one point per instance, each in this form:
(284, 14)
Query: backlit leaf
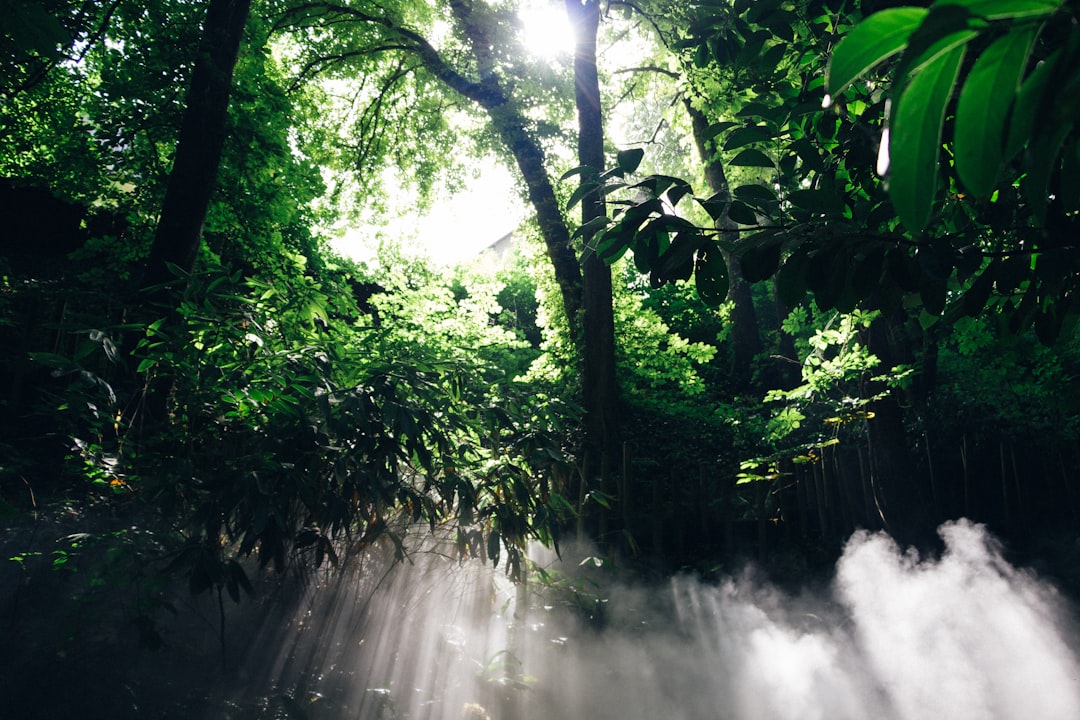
(915, 140)
(1006, 9)
(983, 107)
(628, 160)
(711, 276)
(875, 39)
(752, 158)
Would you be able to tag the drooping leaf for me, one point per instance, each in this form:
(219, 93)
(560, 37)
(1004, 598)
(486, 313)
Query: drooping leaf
(751, 158)
(983, 107)
(628, 160)
(1006, 9)
(742, 214)
(677, 262)
(760, 260)
(817, 201)
(745, 136)
(1069, 189)
(915, 140)
(587, 186)
(946, 28)
(711, 276)
(493, 547)
(791, 278)
(1026, 107)
(1057, 116)
(757, 195)
(978, 293)
(875, 39)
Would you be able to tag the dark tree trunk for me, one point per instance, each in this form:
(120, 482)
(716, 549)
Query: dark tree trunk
(191, 181)
(600, 388)
(745, 334)
(896, 490)
(198, 149)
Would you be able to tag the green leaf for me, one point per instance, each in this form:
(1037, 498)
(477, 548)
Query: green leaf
(1069, 191)
(817, 201)
(586, 187)
(628, 160)
(944, 29)
(711, 276)
(983, 107)
(717, 128)
(916, 138)
(742, 214)
(1028, 101)
(589, 229)
(676, 263)
(745, 136)
(1005, 9)
(759, 262)
(752, 158)
(791, 278)
(579, 170)
(875, 39)
(757, 195)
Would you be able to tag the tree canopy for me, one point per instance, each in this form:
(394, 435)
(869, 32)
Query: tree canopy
(793, 268)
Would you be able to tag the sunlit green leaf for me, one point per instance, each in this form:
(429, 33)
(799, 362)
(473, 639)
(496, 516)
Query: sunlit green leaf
(1006, 9)
(915, 141)
(875, 39)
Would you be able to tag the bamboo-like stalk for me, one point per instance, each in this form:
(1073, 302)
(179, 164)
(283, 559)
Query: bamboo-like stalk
(933, 480)
(1006, 508)
(1016, 481)
(818, 470)
(967, 476)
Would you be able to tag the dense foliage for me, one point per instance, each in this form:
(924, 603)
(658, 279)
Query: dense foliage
(806, 341)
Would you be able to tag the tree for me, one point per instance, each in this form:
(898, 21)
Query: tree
(600, 389)
(198, 149)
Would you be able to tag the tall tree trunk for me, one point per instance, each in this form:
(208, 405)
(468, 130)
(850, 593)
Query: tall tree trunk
(745, 334)
(600, 388)
(899, 503)
(510, 124)
(191, 181)
(198, 149)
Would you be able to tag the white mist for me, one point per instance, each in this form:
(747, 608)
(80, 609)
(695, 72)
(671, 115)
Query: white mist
(961, 637)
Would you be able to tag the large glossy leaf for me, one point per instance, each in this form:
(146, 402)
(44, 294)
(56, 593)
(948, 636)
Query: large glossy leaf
(875, 39)
(1056, 120)
(1006, 9)
(946, 28)
(983, 107)
(1027, 104)
(915, 140)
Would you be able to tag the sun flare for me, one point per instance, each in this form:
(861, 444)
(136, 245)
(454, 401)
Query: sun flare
(546, 31)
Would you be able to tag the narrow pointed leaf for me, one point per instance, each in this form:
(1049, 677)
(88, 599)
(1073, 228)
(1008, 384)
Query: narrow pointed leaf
(915, 140)
(1028, 100)
(1007, 9)
(983, 107)
(875, 39)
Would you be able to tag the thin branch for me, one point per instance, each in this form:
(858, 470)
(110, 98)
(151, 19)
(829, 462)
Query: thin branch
(649, 68)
